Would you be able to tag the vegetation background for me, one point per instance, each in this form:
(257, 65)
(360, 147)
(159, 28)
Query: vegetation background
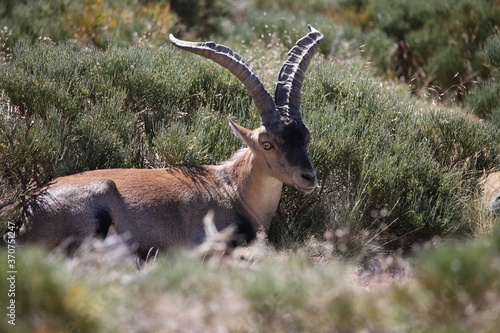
(404, 105)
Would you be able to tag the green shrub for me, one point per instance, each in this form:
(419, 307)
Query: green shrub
(35, 19)
(31, 150)
(284, 26)
(203, 17)
(69, 109)
(461, 279)
(94, 22)
(389, 177)
(448, 66)
(484, 100)
(46, 297)
(438, 42)
(490, 53)
(432, 46)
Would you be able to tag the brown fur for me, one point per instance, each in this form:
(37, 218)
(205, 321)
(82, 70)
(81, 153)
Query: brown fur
(164, 208)
(491, 192)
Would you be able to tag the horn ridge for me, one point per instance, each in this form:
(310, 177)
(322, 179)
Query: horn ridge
(233, 62)
(291, 76)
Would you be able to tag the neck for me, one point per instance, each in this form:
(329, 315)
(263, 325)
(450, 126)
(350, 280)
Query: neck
(258, 192)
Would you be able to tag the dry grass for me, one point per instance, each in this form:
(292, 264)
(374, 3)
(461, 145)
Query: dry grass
(215, 288)
(258, 289)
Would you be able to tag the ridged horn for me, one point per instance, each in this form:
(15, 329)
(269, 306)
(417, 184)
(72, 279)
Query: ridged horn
(232, 61)
(291, 75)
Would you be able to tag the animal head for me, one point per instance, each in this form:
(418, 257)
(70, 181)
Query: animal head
(280, 144)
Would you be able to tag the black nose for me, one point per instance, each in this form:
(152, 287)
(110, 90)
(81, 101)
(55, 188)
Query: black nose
(310, 177)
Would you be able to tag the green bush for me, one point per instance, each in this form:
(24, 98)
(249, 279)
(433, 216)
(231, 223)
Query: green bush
(93, 22)
(461, 279)
(490, 53)
(432, 46)
(46, 297)
(203, 17)
(484, 100)
(35, 19)
(438, 42)
(272, 25)
(388, 176)
(67, 109)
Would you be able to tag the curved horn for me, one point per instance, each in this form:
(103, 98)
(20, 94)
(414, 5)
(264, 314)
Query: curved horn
(232, 61)
(291, 75)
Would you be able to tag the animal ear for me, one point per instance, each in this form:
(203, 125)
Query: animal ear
(243, 134)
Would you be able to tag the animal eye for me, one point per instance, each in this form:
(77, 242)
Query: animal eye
(267, 145)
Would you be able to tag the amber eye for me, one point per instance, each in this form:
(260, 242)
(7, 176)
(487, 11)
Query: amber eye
(267, 145)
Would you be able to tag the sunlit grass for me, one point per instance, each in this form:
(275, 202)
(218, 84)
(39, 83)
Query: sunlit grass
(453, 288)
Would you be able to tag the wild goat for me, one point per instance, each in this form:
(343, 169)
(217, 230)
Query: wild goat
(164, 208)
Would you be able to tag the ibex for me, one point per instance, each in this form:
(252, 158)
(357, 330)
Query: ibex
(164, 208)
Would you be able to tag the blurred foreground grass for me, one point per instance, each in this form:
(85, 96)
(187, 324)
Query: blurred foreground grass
(455, 288)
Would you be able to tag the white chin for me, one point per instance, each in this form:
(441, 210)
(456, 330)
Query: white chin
(304, 190)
